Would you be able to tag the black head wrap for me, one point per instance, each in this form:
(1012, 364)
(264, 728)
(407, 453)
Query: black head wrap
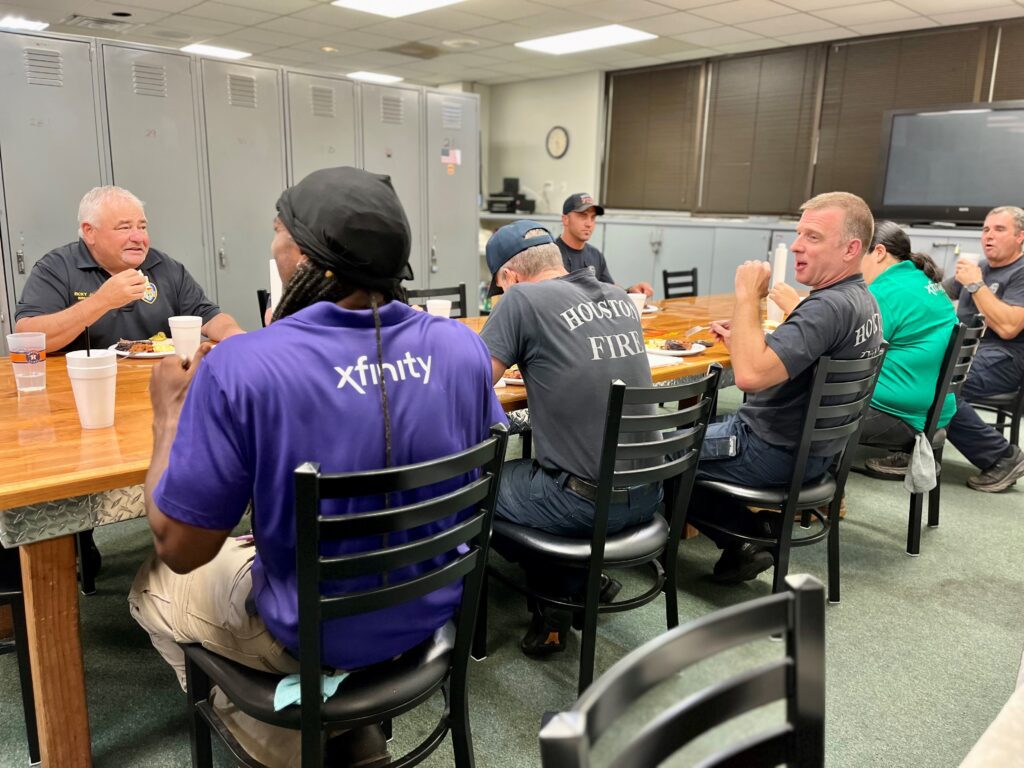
(351, 222)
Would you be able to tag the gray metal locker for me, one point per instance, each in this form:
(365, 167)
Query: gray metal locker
(391, 145)
(49, 148)
(453, 185)
(154, 148)
(321, 123)
(245, 146)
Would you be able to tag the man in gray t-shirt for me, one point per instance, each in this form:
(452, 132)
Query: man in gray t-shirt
(839, 318)
(571, 336)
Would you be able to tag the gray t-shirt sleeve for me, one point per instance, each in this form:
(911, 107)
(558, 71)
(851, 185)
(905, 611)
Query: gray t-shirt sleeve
(46, 291)
(192, 300)
(1014, 293)
(810, 331)
(952, 288)
(503, 332)
(602, 272)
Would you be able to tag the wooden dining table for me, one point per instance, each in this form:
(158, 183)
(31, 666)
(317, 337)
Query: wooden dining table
(57, 479)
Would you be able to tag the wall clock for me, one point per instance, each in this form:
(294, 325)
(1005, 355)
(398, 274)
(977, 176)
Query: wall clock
(557, 142)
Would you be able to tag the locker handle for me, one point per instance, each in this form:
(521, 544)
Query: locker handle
(433, 257)
(222, 258)
(21, 261)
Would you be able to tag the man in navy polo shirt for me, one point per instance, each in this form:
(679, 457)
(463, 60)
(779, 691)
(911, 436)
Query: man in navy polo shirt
(112, 282)
(308, 387)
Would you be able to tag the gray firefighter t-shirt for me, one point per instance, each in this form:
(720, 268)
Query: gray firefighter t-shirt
(841, 321)
(571, 337)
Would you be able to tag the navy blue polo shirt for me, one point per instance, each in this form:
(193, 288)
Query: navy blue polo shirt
(70, 273)
(587, 256)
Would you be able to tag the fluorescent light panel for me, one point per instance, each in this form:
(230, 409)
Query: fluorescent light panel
(586, 40)
(17, 22)
(375, 77)
(213, 50)
(393, 9)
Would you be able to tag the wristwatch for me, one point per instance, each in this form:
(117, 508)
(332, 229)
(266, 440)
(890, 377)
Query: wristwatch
(973, 287)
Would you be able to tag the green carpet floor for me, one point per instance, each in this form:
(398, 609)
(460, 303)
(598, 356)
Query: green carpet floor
(922, 652)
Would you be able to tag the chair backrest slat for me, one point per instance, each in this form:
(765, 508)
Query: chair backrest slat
(798, 612)
(956, 364)
(457, 293)
(680, 283)
(629, 477)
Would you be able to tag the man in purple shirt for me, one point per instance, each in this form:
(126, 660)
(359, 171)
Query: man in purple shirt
(347, 375)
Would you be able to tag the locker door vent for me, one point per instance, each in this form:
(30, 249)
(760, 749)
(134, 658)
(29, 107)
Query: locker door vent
(242, 91)
(149, 80)
(322, 100)
(392, 109)
(451, 115)
(44, 67)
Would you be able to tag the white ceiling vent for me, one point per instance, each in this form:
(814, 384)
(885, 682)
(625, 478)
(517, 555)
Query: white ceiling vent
(94, 22)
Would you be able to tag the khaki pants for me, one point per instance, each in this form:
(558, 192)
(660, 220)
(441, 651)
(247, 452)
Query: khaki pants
(207, 606)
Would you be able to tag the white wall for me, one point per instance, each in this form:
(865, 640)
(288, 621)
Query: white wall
(521, 114)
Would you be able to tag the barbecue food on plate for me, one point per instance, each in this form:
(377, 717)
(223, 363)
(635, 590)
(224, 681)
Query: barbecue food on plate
(513, 373)
(669, 345)
(158, 343)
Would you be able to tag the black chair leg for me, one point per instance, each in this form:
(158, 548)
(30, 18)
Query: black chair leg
(388, 726)
(25, 674)
(833, 553)
(914, 524)
(527, 444)
(86, 566)
(588, 642)
(198, 685)
(462, 739)
(479, 650)
(671, 591)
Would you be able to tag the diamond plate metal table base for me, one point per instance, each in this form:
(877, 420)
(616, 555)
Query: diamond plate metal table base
(37, 522)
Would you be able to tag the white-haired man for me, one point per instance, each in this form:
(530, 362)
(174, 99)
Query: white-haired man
(112, 282)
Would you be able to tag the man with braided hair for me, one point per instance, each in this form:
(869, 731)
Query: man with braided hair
(346, 374)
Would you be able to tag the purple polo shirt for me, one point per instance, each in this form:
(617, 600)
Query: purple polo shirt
(304, 389)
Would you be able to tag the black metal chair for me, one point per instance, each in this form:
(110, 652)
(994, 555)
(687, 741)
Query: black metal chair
(956, 364)
(457, 293)
(798, 678)
(851, 382)
(263, 299)
(11, 595)
(679, 284)
(384, 691)
(1008, 408)
(670, 458)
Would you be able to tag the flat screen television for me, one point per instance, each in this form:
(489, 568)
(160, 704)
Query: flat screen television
(952, 164)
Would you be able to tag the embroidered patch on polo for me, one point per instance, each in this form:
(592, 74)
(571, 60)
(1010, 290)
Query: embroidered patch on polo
(150, 294)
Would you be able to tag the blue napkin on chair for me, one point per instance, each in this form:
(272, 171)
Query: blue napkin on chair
(288, 691)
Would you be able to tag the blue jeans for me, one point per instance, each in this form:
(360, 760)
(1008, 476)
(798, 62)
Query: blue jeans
(993, 372)
(757, 464)
(532, 496)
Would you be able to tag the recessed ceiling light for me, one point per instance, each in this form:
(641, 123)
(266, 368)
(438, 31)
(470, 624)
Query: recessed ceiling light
(393, 9)
(213, 50)
(17, 22)
(460, 43)
(375, 77)
(586, 40)
(328, 49)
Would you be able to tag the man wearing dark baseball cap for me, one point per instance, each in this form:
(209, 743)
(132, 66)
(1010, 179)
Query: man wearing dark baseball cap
(571, 335)
(579, 217)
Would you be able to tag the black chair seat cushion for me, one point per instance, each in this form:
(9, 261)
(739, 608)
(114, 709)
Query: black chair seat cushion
(375, 693)
(645, 540)
(814, 494)
(1006, 400)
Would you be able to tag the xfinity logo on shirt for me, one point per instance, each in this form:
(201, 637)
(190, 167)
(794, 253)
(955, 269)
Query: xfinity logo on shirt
(363, 374)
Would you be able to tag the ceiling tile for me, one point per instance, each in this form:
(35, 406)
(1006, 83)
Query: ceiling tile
(898, 25)
(693, 53)
(742, 10)
(712, 38)
(674, 24)
(366, 40)
(278, 39)
(819, 36)
(241, 44)
(686, 5)
(400, 30)
(482, 44)
(621, 11)
(502, 10)
(449, 19)
(980, 14)
(661, 46)
(342, 48)
(370, 59)
(337, 17)
(511, 53)
(556, 22)
(933, 7)
(230, 13)
(270, 6)
(787, 25)
(292, 26)
(813, 5)
(866, 13)
(56, 11)
(503, 33)
(166, 6)
(197, 26)
(751, 46)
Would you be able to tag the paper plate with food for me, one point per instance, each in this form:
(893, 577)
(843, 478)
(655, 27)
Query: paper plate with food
(513, 377)
(674, 347)
(157, 345)
(650, 309)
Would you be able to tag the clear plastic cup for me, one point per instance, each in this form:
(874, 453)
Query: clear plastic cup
(974, 258)
(439, 307)
(94, 383)
(28, 357)
(186, 330)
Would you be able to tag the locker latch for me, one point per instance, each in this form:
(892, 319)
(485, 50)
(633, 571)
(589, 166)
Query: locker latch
(433, 256)
(20, 255)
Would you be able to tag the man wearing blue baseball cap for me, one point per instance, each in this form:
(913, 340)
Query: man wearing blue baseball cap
(569, 333)
(579, 217)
